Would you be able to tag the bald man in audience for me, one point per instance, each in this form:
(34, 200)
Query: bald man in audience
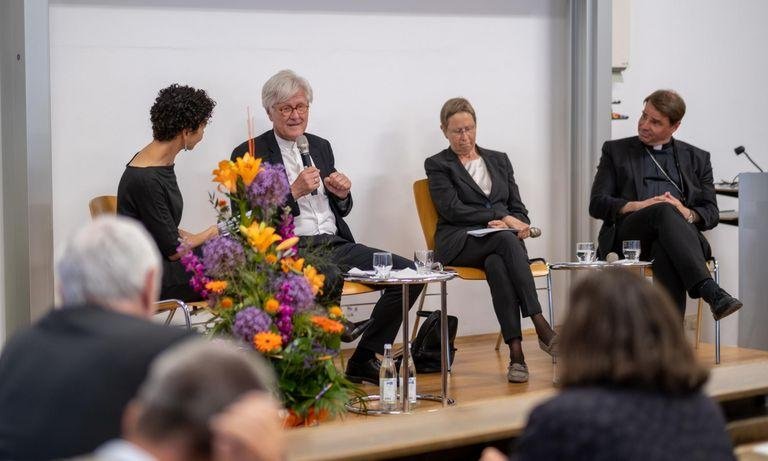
(65, 380)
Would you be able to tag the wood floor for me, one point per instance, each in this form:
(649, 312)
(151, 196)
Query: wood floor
(479, 372)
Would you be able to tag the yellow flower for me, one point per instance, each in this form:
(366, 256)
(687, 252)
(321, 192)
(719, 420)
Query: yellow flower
(259, 236)
(226, 175)
(267, 342)
(335, 312)
(290, 264)
(216, 286)
(327, 325)
(271, 258)
(287, 243)
(226, 302)
(315, 279)
(271, 306)
(248, 168)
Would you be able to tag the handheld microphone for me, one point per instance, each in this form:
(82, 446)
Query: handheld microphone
(303, 144)
(740, 150)
(535, 232)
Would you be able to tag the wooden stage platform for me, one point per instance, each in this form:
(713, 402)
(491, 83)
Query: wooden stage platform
(488, 408)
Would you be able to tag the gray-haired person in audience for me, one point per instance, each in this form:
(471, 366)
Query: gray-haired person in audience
(65, 380)
(202, 400)
(631, 382)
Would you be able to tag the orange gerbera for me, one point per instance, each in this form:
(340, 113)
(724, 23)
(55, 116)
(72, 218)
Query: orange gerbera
(226, 175)
(226, 302)
(259, 236)
(271, 306)
(216, 286)
(248, 168)
(327, 325)
(270, 258)
(315, 279)
(290, 264)
(335, 312)
(267, 342)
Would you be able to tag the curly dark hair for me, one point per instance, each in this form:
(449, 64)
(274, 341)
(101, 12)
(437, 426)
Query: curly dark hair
(178, 108)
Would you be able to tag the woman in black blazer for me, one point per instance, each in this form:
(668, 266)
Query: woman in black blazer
(475, 188)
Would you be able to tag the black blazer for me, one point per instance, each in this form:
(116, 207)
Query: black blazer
(65, 380)
(320, 150)
(620, 174)
(462, 206)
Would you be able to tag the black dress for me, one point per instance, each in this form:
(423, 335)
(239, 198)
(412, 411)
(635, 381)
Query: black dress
(151, 195)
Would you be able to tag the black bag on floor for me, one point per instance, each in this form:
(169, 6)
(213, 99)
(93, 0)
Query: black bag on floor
(426, 346)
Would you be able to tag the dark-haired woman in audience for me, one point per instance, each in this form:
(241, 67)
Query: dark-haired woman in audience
(474, 188)
(631, 383)
(148, 190)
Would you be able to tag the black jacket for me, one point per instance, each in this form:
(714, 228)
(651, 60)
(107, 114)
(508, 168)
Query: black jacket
(320, 150)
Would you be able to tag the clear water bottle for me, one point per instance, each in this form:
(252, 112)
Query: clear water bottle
(388, 381)
(411, 373)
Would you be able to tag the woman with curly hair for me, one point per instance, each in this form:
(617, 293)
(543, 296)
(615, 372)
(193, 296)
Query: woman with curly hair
(148, 190)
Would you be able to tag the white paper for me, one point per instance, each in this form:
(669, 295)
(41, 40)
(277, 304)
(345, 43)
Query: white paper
(489, 230)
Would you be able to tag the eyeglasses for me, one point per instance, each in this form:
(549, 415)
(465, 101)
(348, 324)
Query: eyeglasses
(300, 109)
(460, 131)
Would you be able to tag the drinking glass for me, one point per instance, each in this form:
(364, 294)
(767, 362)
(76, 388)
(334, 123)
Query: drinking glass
(585, 252)
(631, 250)
(424, 259)
(382, 264)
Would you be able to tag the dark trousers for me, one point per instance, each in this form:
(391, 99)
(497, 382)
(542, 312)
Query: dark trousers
(678, 250)
(388, 312)
(503, 257)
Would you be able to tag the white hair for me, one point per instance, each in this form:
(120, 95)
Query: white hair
(107, 260)
(282, 86)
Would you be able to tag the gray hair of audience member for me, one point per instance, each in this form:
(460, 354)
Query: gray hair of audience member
(192, 382)
(282, 86)
(108, 260)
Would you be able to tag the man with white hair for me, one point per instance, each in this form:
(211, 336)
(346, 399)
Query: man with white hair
(319, 199)
(65, 380)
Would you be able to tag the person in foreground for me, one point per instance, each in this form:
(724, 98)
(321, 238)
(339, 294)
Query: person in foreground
(203, 400)
(632, 388)
(320, 197)
(148, 190)
(474, 188)
(659, 190)
(65, 380)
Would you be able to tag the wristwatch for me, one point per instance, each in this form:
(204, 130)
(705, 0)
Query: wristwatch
(691, 216)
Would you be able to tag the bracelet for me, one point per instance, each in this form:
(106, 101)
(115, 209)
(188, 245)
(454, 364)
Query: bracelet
(691, 217)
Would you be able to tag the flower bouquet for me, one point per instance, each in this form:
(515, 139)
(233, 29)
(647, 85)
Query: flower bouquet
(262, 291)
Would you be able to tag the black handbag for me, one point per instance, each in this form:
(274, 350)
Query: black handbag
(426, 347)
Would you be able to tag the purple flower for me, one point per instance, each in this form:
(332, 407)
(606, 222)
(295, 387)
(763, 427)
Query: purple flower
(286, 226)
(250, 321)
(270, 188)
(294, 290)
(222, 256)
(193, 265)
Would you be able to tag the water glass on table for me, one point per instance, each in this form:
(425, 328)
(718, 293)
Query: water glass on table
(585, 252)
(382, 264)
(631, 250)
(424, 261)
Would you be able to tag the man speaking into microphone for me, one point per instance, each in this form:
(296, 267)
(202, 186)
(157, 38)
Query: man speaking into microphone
(319, 199)
(474, 189)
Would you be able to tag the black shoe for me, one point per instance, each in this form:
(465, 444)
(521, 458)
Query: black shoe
(357, 372)
(723, 304)
(353, 330)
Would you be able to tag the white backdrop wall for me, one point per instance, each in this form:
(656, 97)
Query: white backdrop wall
(713, 53)
(379, 79)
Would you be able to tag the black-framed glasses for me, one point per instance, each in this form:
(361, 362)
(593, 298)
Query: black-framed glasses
(300, 109)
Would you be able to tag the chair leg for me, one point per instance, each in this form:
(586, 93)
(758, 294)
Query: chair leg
(717, 322)
(698, 324)
(417, 320)
(499, 339)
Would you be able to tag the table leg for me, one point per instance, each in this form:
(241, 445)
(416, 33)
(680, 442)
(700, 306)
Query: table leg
(444, 358)
(406, 352)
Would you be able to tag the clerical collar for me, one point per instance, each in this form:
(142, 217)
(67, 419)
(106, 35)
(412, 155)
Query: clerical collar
(657, 147)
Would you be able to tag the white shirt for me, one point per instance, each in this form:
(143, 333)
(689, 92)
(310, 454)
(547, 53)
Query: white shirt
(315, 215)
(121, 450)
(479, 172)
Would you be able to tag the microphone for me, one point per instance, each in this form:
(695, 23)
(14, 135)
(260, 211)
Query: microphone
(303, 144)
(611, 257)
(740, 150)
(535, 232)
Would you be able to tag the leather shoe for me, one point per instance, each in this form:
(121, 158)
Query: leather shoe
(724, 304)
(368, 371)
(517, 373)
(551, 348)
(353, 330)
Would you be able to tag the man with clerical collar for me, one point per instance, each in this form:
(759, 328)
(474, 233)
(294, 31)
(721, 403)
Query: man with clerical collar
(319, 199)
(659, 190)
